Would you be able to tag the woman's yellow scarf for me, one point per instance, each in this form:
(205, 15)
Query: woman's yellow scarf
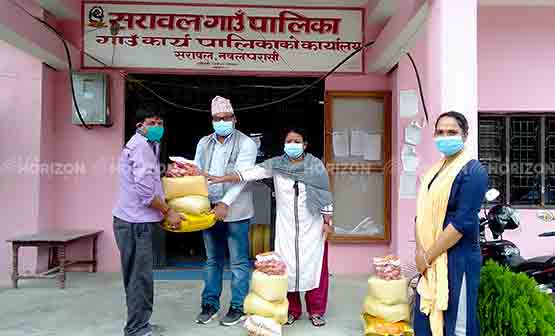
(431, 208)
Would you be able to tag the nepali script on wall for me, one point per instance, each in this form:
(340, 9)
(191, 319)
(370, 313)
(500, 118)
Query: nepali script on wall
(221, 37)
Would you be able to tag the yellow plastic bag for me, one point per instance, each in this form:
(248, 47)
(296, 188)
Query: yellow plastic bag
(175, 187)
(193, 223)
(195, 205)
(255, 305)
(390, 292)
(390, 313)
(259, 238)
(374, 326)
(269, 287)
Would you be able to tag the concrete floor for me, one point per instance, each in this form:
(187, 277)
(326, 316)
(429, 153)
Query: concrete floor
(93, 304)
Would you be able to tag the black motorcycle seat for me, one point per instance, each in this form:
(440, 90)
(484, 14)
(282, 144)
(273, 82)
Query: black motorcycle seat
(540, 260)
(523, 265)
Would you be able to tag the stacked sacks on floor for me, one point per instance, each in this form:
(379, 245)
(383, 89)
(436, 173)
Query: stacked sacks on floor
(187, 193)
(267, 303)
(386, 307)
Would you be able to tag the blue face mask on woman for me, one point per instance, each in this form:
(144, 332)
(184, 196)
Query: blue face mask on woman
(449, 145)
(294, 150)
(223, 128)
(154, 133)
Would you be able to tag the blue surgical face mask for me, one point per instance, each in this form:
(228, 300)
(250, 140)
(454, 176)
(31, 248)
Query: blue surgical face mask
(294, 150)
(449, 145)
(154, 133)
(223, 128)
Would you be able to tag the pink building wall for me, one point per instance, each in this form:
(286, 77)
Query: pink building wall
(20, 129)
(47, 186)
(404, 210)
(37, 100)
(47, 149)
(449, 82)
(516, 59)
(516, 74)
(85, 200)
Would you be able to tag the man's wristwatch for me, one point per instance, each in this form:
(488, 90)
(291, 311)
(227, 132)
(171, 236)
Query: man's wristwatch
(165, 211)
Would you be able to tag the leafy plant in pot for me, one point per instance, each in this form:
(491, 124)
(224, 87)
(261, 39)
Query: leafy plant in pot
(509, 304)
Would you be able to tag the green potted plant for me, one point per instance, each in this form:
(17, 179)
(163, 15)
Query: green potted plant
(509, 304)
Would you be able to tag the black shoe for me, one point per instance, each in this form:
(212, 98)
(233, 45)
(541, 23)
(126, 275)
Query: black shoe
(207, 314)
(233, 317)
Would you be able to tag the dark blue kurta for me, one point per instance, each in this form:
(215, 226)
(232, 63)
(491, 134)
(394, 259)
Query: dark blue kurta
(465, 200)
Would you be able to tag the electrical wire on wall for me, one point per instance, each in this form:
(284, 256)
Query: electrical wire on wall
(419, 86)
(69, 63)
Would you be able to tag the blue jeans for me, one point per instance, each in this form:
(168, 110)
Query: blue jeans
(237, 236)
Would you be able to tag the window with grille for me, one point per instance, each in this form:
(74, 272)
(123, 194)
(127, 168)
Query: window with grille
(549, 194)
(492, 149)
(519, 153)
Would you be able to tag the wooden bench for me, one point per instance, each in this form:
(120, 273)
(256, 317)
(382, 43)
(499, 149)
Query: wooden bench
(57, 241)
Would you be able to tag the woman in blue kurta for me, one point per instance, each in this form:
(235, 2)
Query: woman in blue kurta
(459, 239)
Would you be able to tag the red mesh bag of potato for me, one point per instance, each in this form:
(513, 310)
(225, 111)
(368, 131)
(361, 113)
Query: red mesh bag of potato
(270, 263)
(388, 267)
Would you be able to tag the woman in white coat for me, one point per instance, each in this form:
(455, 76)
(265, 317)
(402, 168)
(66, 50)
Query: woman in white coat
(303, 221)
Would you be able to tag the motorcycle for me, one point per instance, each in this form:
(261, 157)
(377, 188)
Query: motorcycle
(500, 218)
